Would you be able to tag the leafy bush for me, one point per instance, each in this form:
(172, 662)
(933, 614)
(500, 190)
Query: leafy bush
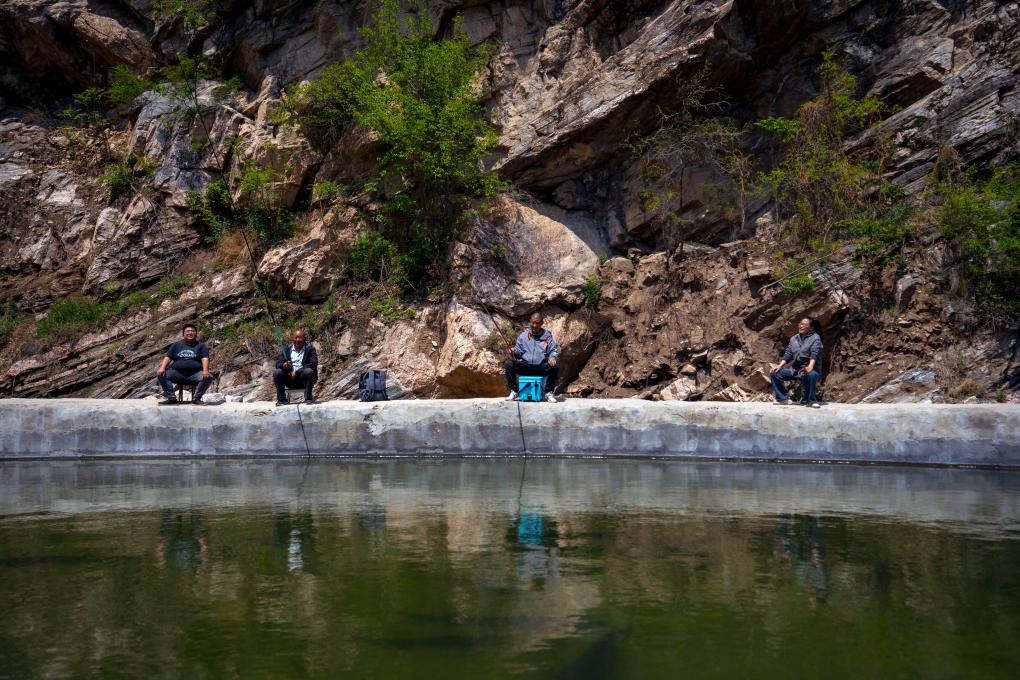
(125, 86)
(817, 182)
(195, 13)
(118, 177)
(259, 211)
(795, 285)
(980, 218)
(372, 256)
(692, 135)
(419, 96)
(880, 234)
(387, 306)
(8, 321)
(592, 292)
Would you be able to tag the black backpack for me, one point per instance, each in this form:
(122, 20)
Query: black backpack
(372, 386)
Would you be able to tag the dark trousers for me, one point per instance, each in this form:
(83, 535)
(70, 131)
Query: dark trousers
(514, 369)
(174, 377)
(810, 380)
(305, 378)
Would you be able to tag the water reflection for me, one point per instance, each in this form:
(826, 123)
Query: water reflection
(182, 541)
(799, 544)
(482, 568)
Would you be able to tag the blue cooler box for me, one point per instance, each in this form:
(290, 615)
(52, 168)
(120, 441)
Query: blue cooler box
(530, 387)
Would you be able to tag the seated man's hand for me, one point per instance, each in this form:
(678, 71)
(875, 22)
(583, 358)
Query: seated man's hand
(552, 361)
(510, 352)
(160, 372)
(293, 375)
(286, 365)
(773, 368)
(205, 375)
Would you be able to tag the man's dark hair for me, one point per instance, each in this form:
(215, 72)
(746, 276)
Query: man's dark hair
(189, 325)
(540, 315)
(816, 325)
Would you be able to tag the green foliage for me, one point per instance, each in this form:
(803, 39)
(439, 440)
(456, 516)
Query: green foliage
(87, 109)
(195, 13)
(692, 135)
(125, 86)
(980, 218)
(8, 321)
(880, 234)
(120, 176)
(817, 183)
(259, 211)
(498, 251)
(420, 97)
(795, 285)
(783, 129)
(387, 306)
(327, 191)
(372, 256)
(181, 79)
(592, 292)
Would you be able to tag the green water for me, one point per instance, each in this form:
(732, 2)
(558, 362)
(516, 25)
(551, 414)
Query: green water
(486, 569)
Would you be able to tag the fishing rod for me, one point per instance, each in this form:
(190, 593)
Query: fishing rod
(520, 419)
(276, 327)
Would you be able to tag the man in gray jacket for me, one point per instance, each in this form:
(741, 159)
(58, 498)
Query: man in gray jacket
(802, 359)
(535, 353)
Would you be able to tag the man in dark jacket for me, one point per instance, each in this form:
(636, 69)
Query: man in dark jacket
(803, 360)
(297, 366)
(535, 353)
(186, 363)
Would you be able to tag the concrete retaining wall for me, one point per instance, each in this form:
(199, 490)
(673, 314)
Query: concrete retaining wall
(980, 434)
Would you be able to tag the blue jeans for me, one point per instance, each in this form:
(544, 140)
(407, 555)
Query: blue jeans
(173, 377)
(809, 379)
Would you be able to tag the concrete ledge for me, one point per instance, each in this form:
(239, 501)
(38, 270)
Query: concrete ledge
(974, 435)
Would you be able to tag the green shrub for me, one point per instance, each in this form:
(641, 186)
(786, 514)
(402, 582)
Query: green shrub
(372, 256)
(592, 292)
(258, 211)
(118, 177)
(387, 306)
(817, 182)
(980, 219)
(195, 13)
(125, 86)
(420, 97)
(880, 235)
(795, 285)
(8, 321)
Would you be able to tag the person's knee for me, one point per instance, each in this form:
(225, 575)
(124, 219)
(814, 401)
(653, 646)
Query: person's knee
(279, 375)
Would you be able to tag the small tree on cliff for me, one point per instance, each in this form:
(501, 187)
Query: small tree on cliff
(819, 183)
(421, 97)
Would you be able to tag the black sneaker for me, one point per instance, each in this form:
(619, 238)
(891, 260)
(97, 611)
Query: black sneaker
(198, 402)
(283, 403)
(168, 402)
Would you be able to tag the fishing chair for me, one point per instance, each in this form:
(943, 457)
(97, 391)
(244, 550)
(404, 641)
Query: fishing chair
(190, 387)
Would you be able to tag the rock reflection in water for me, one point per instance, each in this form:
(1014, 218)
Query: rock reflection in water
(458, 568)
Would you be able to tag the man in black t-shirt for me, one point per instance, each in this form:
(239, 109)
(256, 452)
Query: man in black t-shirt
(186, 363)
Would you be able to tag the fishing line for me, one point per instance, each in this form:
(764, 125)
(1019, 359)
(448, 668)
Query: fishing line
(509, 345)
(254, 265)
(276, 327)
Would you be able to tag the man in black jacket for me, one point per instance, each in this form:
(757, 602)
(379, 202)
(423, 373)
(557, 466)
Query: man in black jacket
(297, 366)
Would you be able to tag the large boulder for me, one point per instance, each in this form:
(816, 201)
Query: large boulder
(532, 256)
(304, 266)
(471, 357)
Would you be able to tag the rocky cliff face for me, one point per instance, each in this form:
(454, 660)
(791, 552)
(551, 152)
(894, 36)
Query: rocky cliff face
(572, 83)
